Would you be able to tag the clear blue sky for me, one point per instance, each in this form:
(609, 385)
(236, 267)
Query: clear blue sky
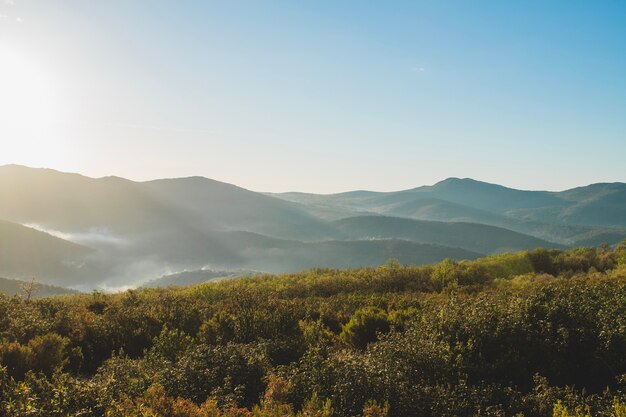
(317, 96)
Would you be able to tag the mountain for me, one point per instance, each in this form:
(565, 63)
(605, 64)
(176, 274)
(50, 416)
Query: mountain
(26, 253)
(195, 277)
(124, 207)
(565, 217)
(221, 206)
(84, 233)
(14, 287)
(470, 236)
(461, 192)
(437, 209)
(280, 255)
(264, 253)
(74, 203)
(597, 205)
(140, 230)
(558, 232)
(490, 197)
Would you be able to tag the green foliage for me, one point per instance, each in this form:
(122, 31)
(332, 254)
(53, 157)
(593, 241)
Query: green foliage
(530, 333)
(619, 408)
(171, 344)
(373, 409)
(444, 274)
(561, 411)
(46, 353)
(364, 327)
(620, 252)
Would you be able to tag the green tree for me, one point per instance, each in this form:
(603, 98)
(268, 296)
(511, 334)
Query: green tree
(364, 327)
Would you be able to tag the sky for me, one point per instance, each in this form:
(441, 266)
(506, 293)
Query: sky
(317, 96)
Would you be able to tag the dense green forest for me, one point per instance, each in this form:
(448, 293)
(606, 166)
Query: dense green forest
(534, 333)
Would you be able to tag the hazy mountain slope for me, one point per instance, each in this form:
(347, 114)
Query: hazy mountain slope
(74, 203)
(470, 236)
(558, 232)
(195, 277)
(350, 202)
(596, 205)
(421, 206)
(26, 253)
(564, 217)
(437, 209)
(466, 192)
(263, 253)
(490, 197)
(608, 211)
(135, 233)
(599, 205)
(71, 202)
(222, 206)
(592, 192)
(599, 237)
(14, 286)
(142, 230)
(279, 255)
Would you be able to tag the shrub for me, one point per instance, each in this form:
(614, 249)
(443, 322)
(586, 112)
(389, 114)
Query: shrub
(364, 327)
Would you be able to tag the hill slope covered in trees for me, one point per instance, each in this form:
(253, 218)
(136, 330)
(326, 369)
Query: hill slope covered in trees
(18, 287)
(26, 253)
(532, 333)
(560, 217)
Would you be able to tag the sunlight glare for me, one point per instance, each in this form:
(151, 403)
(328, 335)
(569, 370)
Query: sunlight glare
(31, 109)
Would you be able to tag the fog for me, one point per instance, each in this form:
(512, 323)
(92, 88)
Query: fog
(117, 262)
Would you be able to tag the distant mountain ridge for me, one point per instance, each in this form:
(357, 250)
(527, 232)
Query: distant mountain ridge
(112, 232)
(12, 287)
(185, 278)
(128, 206)
(562, 217)
(26, 253)
(470, 236)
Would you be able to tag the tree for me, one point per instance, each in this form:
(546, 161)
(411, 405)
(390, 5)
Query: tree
(364, 326)
(30, 288)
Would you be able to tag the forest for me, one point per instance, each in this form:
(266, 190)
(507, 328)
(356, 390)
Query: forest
(532, 333)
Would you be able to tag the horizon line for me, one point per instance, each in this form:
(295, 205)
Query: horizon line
(21, 166)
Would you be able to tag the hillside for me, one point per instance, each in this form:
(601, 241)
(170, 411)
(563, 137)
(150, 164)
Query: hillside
(562, 217)
(142, 230)
(127, 208)
(510, 332)
(195, 277)
(118, 233)
(219, 206)
(279, 255)
(470, 236)
(26, 253)
(486, 196)
(15, 287)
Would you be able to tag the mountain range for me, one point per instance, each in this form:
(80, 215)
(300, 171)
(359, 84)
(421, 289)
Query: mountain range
(16, 287)
(84, 233)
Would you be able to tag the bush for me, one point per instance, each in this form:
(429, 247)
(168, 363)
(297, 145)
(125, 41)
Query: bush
(364, 327)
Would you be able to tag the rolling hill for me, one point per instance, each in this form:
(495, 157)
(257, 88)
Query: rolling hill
(26, 253)
(112, 232)
(14, 287)
(75, 203)
(564, 217)
(470, 236)
(264, 253)
(195, 277)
